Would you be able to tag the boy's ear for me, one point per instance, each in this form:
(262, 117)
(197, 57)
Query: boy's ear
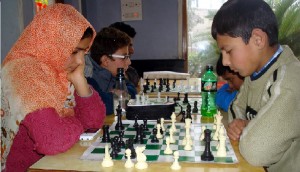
(104, 60)
(260, 38)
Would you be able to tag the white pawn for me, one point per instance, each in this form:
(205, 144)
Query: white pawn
(173, 118)
(162, 120)
(172, 140)
(141, 158)
(107, 160)
(158, 135)
(158, 97)
(128, 163)
(168, 150)
(202, 132)
(175, 165)
(222, 147)
(137, 97)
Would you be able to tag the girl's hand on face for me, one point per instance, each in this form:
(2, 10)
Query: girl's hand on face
(75, 67)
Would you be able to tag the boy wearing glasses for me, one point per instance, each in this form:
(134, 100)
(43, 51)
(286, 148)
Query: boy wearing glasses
(109, 51)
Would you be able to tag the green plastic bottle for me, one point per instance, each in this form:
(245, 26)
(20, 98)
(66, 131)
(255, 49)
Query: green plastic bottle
(208, 93)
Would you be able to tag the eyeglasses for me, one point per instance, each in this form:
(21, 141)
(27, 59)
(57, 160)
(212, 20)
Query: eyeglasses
(119, 56)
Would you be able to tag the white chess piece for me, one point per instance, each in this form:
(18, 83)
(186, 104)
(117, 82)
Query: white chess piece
(158, 135)
(216, 135)
(168, 150)
(107, 160)
(173, 119)
(188, 146)
(162, 120)
(141, 158)
(172, 140)
(158, 97)
(128, 163)
(175, 165)
(137, 97)
(202, 132)
(222, 147)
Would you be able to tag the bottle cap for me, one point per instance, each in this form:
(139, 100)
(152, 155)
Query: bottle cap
(209, 67)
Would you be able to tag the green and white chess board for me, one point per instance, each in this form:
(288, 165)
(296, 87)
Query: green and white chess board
(155, 151)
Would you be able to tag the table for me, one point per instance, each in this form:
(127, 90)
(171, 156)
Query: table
(70, 161)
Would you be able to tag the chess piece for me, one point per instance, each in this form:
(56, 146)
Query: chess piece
(145, 127)
(158, 135)
(188, 145)
(129, 145)
(135, 121)
(183, 116)
(172, 140)
(139, 135)
(137, 99)
(128, 163)
(162, 120)
(168, 150)
(207, 155)
(188, 111)
(178, 96)
(185, 100)
(154, 138)
(222, 147)
(173, 119)
(121, 141)
(141, 158)
(202, 132)
(106, 137)
(119, 125)
(175, 165)
(107, 160)
(174, 84)
(195, 109)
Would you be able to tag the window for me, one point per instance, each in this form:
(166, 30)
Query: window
(202, 48)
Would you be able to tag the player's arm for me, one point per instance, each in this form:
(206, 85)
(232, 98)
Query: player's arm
(267, 137)
(50, 133)
(90, 110)
(235, 128)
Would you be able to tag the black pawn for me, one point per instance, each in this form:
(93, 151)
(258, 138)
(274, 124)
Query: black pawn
(129, 143)
(106, 137)
(119, 125)
(185, 100)
(207, 155)
(178, 96)
(145, 125)
(195, 109)
(174, 83)
(154, 138)
(138, 136)
(135, 121)
(188, 111)
(152, 88)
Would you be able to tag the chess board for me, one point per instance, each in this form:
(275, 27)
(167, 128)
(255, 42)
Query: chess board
(155, 151)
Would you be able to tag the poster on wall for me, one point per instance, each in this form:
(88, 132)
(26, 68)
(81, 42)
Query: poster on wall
(131, 10)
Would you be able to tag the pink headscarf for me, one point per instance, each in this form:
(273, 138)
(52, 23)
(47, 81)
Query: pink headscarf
(33, 75)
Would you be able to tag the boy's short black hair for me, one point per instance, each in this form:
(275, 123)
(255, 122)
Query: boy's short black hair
(130, 31)
(107, 42)
(237, 18)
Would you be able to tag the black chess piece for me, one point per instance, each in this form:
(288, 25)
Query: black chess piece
(116, 143)
(145, 88)
(185, 100)
(141, 128)
(188, 111)
(119, 125)
(152, 88)
(207, 155)
(161, 131)
(145, 125)
(105, 137)
(183, 116)
(154, 138)
(129, 144)
(139, 136)
(174, 84)
(135, 121)
(195, 109)
(167, 87)
(178, 96)
(154, 85)
(121, 141)
(114, 151)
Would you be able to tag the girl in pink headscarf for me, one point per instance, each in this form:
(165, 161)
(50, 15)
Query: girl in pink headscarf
(46, 101)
